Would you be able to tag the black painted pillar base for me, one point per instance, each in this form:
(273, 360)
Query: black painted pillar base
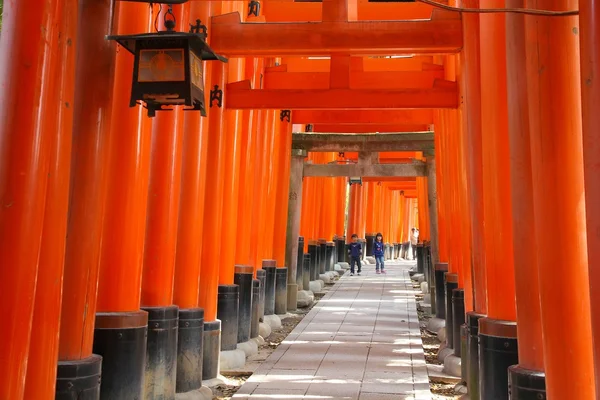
(464, 353)
(306, 266)
(281, 283)
(397, 247)
(261, 275)
(227, 312)
(420, 267)
(300, 262)
(243, 276)
(189, 350)
(451, 281)
(340, 244)
(161, 352)
(370, 237)
(120, 339)
(427, 263)
(473, 354)
(440, 290)
(211, 350)
(329, 256)
(458, 318)
(497, 352)
(254, 324)
(525, 384)
(313, 251)
(79, 379)
(322, 256)
(270, 266)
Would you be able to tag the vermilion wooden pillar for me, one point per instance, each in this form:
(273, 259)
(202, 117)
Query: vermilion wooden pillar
(272, 188)
(263, 187)
(233, 134)
(440, 176)
(556, 157)
(526, 378)
(120, 275)
(31, 216)
(161, 242)
(258, 189)
(281, 200)
(498, 215)
(210, 260)
(91, 126)
(341, 206)
(589, 28)
(471, 75)
(248, 163)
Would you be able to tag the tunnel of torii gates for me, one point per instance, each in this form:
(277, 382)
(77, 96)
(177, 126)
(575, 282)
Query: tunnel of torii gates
(143, 248)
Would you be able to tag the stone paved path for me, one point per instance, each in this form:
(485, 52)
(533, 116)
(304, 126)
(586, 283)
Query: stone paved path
(361, 341)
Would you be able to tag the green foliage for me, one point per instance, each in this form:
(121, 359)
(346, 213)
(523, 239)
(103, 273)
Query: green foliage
(1, 9)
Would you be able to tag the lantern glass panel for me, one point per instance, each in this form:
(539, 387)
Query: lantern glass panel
(161, 65)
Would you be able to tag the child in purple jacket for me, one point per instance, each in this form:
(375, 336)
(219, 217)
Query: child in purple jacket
(378, 251)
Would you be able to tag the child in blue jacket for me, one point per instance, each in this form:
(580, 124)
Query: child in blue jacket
(378, 251)
(355, 253)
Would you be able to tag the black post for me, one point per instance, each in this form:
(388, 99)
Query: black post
(322, 256)
(300, 263)
(261, 275)
(120, 339)
(227, 312)
(281, 279)
(161, 352)
(370, 237)
(79, 379)
(243, 276)
(255, 308)
(212, 348)
(440, 291)
(525, 384)
(306, 265)
(451, 284)
(270, 267)
(329, 256)
(313, 250)
(458, 318)
(420, 266)
(190, 350)
(473, 357)
(497, 352)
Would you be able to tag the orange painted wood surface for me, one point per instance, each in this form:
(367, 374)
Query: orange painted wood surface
(391, 117)
(128, 168)
(498, 228)
(442, 95)
(589, 28)
(164, 195)
(441, 34)
(95, 62)
(29, 150)
(556, 156)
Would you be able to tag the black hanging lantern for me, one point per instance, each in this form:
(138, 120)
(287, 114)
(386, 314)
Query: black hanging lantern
(167, 69)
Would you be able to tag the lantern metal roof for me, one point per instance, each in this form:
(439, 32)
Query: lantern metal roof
(195, 41)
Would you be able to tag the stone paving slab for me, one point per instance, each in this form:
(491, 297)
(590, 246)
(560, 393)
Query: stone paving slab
(361, 341)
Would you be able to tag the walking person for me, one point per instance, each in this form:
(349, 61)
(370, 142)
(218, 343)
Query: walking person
(355, 252)
(414, 239)
(378, 252)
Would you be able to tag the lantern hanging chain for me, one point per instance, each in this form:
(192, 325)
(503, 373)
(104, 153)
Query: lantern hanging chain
(169, 19)
(526, 11)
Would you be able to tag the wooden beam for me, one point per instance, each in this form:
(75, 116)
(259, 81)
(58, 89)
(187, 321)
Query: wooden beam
(351, 170)
(384, 117)
(370, 128)
(276, 79)
(240, 96)
(441, 34)
(286, 11)
(325, 142)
